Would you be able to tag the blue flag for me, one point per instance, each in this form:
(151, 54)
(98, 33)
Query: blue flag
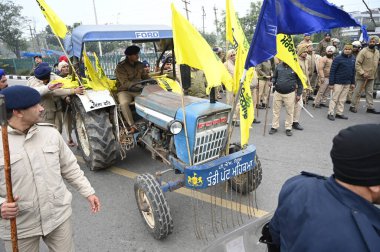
(292, 17)
(364, 36)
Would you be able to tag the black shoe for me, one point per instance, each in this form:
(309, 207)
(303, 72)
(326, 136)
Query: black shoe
(331, 117)
(323, 105)
(289, 132)
(272, 131)
(310, 98)
(236, 123)
(354, 110)
(256, 121)
(260, 107)
(348, 102)
(372, 111)
(341, 117)
(265, 106)
(316, 105)
(297, 126)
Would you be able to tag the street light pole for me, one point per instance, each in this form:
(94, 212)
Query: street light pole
(96, 22)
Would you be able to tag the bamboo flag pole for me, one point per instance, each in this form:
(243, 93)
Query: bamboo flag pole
(7, 169)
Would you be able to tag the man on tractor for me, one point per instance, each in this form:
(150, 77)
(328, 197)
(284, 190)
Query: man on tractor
(128, 72)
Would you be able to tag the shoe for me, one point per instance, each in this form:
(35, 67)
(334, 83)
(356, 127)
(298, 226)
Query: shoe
(297, 126)
(272, 131)
(289, 132)
(372, 111)
(260, 107)
(256, 121)
(323, 105)
(316, 105)
(331, 117)
(310, 98)
(236, 123)
(354, 110)
(265, 106)
(341, 117)
(348, 102)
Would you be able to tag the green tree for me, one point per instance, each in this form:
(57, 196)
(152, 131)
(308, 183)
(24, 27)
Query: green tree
(210, 38)
(11, 23)
(247, 22)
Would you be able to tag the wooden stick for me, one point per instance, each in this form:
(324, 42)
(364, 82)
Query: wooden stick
(266, 110)
(7, 169)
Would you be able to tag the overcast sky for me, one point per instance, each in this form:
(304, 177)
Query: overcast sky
(145, 11)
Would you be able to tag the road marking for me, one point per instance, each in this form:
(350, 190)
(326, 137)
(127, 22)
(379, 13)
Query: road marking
(195, 194)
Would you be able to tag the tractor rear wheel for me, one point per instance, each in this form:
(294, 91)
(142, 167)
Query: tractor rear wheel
(95, 136)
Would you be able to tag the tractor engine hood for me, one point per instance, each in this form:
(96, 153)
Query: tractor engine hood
(203, 119)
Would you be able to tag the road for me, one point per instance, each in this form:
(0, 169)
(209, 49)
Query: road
(119, 227)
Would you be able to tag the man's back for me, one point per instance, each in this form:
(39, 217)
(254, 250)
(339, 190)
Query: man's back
(315, 214)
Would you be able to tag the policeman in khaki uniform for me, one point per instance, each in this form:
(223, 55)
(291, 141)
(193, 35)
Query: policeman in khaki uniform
(51, 94)
(285, 82)
(128, 72)
(324, 67)
(264, 73)
(366, 66)
(40, 162)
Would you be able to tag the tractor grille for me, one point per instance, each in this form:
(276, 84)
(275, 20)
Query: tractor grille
(211, 132)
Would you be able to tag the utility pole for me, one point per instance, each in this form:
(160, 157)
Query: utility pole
(216, 23)
(96, 22)
(186, 9)
(203, 19)
(31, 35)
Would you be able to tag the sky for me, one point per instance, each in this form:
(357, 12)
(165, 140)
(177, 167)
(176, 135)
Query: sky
(145, 11)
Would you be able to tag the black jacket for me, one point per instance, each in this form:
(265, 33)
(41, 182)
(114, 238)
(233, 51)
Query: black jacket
(285, 80)
(342, 70)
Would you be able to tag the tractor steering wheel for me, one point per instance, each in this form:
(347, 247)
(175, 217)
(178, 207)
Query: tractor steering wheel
(139, 85)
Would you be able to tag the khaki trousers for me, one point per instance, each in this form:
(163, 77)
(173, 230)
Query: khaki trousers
(322, 92)
(368, 93)
(60, 240)
(125, 99)
(297, 108)
(338, 99)
(350, 93)
(288, 100)
(263, 91)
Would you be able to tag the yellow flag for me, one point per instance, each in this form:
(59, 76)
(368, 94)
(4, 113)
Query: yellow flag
(94, 82)
(236, 36)
(192, 49)
(111, 84)
(57, 26)
(168, 84)
(287, 53)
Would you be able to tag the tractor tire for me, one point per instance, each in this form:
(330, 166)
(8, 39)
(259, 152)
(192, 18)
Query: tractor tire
(248, 181)
(95, 136)
(153, 206)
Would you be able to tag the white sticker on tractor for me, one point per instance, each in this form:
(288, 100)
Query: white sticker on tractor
(93, 100)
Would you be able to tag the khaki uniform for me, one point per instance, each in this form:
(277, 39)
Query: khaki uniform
(198, 84)
(263, 70)
(50, 100)
(324, 67)
(321, 49)
(312, 70)
(288, 100)
(338, 98)
(367, 61)
(127, 74)
(41, 161)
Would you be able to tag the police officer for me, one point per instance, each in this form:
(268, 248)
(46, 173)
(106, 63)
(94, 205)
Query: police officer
(128, 72)
(285, 82)
(323, 44)
(337, 213)
(51, 94)
(366, 66)
(40, 161)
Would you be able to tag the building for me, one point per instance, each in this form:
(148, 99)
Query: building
(364, 18)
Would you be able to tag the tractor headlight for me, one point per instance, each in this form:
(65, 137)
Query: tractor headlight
(175, 127)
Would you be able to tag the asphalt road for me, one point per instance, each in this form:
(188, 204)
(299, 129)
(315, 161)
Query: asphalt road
(119, 227)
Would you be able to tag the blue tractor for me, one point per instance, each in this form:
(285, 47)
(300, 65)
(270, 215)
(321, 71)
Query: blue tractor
(187, 133)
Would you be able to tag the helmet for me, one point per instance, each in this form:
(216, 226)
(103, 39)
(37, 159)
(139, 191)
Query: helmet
(356, 44)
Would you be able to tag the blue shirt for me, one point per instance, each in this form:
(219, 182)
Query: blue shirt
(316, 214)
